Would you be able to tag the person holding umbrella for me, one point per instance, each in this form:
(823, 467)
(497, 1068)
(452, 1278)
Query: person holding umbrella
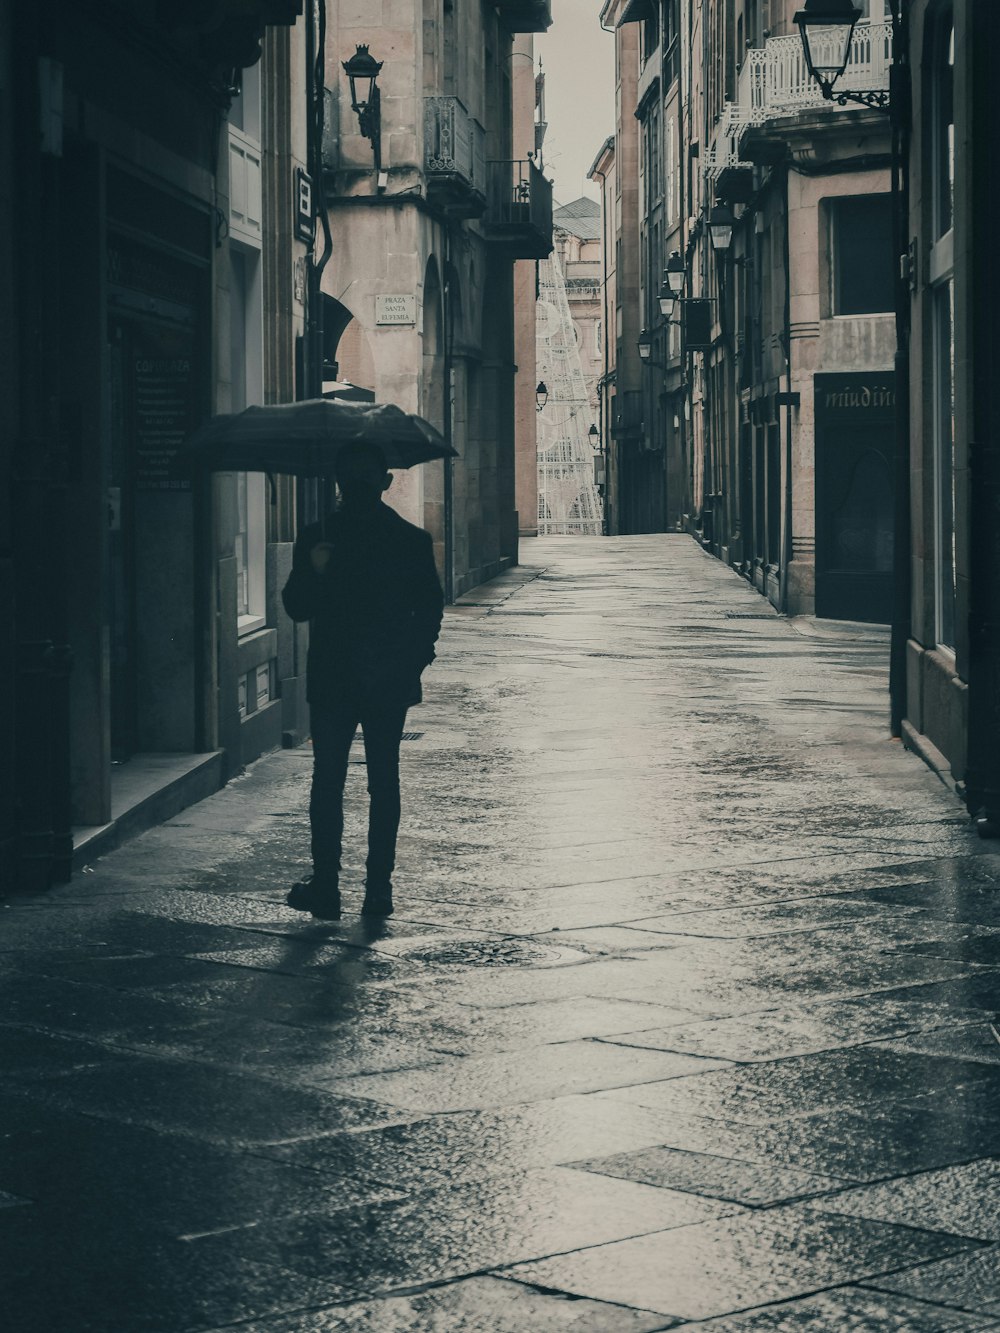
(367, 581)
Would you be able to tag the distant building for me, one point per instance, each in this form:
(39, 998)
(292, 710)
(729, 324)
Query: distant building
(767, 394)
(636, 456)
(568, 499)
(603, 173)
(421, 280)
(577, 236)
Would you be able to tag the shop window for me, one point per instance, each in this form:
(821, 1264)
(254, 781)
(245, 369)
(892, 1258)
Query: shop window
(246, 352)
(670, 169)
(246, 372)
(862, 269)
(650, 33)
(671, 43)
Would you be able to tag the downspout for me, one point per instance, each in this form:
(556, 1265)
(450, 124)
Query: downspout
(688, 499)
(448, 423)
(982, 777)
(786, 544)
(605, 415)
(899, 76)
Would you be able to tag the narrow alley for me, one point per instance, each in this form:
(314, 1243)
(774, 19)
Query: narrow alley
(684, 1017)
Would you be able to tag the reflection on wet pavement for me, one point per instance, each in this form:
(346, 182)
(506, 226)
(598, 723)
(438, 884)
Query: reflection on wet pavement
(683, 1019)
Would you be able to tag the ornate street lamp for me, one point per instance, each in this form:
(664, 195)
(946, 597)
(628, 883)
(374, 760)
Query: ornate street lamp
(645, 345)
(541, 395)
(594, 436)
(675, 273)
(720, 228)
(366, 100)
(667, 299)
(826, 28)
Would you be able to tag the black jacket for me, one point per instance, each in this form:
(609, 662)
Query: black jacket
(375, 610)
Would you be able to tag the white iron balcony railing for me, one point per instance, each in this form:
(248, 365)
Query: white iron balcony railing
(722, 157)
(775, 81)
(454, 143)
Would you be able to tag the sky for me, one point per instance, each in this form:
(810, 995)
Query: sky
(579, 63)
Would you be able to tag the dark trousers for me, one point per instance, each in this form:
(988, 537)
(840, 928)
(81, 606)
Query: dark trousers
(333, 726)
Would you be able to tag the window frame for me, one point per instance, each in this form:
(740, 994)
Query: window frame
(941, 318)
(835, 205)
(247, 381)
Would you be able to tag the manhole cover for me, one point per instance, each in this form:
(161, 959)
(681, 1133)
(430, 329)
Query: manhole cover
(485, 953)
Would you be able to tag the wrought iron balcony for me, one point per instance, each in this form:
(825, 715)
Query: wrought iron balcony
(519, 209)
(525, 15)
(454, 158)
(774, 82)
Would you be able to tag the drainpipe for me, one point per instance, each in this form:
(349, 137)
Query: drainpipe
(605, 356)
(982, 778)
(899, 74)
(786, 545)
(449, 414)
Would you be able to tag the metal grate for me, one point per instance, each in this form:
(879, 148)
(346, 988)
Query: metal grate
(751, 615)
(407, 735)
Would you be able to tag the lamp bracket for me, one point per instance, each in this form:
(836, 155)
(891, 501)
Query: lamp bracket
(879, 100)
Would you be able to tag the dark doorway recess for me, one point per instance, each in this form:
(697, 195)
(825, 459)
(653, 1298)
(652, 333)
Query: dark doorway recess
(854, 495)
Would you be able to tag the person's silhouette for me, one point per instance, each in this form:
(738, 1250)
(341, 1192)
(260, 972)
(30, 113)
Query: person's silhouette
(368, 583)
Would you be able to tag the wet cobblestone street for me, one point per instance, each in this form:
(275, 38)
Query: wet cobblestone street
(683, 1017)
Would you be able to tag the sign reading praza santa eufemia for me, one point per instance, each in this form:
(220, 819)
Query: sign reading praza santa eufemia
(395, 310)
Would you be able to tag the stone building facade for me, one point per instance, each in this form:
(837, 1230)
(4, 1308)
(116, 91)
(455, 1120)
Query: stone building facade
(746, 379)
(420, 283)
(149, 277)
(634, 465)
(948, 684)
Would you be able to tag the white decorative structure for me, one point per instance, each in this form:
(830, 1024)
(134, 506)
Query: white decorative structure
(568, 500)
(774, 81)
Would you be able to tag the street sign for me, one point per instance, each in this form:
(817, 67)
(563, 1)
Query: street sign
(395, 310)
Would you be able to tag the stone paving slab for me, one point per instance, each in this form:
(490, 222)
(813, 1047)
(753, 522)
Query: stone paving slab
(683, 1018)
(480, 1303)
(739, 1262)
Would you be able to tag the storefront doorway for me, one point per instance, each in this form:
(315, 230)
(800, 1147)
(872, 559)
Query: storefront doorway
(854, 496)
(155, 393)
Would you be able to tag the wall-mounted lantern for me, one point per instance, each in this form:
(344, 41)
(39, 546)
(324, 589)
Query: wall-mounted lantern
(541, 395)
(675, 273)
(366, 100)
(826, 28)
(720, 228)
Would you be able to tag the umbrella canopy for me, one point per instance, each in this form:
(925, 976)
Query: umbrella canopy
(303, 439)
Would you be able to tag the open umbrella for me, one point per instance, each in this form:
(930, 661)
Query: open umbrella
(303, 439)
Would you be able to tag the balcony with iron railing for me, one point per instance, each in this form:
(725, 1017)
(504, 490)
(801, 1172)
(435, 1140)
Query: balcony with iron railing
(454, 158)
(774, 83)
(518, 209)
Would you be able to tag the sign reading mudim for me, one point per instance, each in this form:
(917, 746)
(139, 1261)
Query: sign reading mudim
(859, 396)
(395, 309)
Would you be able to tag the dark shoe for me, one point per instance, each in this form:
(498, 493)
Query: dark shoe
(320, 897)
(378, 900)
